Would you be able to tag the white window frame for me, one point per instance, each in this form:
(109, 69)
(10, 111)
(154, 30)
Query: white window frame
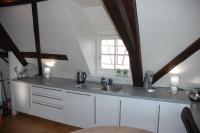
(100, 71)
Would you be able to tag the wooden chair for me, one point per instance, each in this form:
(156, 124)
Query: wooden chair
(111, 129)
(188, 121)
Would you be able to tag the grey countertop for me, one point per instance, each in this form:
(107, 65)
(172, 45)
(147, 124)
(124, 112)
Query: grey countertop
(161, 94)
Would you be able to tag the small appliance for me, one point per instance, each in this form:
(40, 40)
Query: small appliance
(194, 94)
(81, 77)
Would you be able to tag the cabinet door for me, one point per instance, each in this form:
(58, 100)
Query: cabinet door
(170, 118)
(79, 109)
(21, 97)
(107, 110)
(139, 113)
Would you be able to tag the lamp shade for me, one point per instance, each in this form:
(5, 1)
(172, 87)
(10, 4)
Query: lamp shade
(174, 80)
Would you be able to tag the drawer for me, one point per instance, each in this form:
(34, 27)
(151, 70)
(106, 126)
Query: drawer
(47, 99)
(47, 91)
(47, 111)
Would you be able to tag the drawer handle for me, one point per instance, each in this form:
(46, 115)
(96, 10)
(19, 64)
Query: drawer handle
(47, 105)
(78, 93)
(47, 97)
(46, 88)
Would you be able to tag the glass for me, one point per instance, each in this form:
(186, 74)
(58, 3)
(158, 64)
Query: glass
(107, 59)
(107, 49)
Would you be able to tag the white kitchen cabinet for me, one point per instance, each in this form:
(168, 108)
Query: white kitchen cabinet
(79, 110)
(170, 118)
(47, 102)
(139, 113)
(107, 110)
(20, 97)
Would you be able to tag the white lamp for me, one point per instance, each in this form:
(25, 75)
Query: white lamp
(174, 81)
(47, 71)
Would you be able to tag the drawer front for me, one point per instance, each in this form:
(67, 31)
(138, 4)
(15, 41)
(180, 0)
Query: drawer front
(48, 111)
(47, 91)
(48, 99)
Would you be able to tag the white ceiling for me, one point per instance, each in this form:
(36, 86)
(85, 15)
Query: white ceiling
(88, 3)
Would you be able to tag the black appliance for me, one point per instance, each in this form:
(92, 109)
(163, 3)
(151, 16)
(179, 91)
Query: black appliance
(81, 77)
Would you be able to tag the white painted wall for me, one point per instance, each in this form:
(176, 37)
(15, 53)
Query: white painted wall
(166, 27)
(19, 24)
(100, 19)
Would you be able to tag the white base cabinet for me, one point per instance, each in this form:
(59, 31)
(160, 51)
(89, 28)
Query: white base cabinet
(139, 113)
(170, 118)
(79, 110)
(48, 103)
(88, 110)
(20, 97)
(107, 110)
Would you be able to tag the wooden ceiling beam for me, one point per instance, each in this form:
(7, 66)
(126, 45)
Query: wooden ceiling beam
(6, 3)
(124, 16)
(193, 48)
(3, 54)
(37, 34)
(7, 44)
(44, 56)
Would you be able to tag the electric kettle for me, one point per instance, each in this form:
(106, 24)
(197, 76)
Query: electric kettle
(81, 77)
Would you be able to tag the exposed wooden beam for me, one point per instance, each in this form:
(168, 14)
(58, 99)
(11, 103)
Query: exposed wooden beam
(7, 44)
(194, 47)
(37, 34)
(5, 60)
(124, 16)
(5, 3)
(44, 56)
(3, 54)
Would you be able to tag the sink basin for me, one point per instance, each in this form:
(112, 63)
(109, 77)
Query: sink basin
(99, 87)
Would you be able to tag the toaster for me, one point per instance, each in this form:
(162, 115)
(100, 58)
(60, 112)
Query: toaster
(194, 94)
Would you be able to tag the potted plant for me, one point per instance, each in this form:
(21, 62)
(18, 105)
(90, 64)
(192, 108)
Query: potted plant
(125, 73)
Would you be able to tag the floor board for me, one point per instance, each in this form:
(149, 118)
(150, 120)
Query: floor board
(22, 123)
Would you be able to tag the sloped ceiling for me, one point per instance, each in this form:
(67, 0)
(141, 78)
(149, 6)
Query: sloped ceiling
(166, 27)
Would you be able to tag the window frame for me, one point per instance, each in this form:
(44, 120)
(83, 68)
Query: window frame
(101, 71)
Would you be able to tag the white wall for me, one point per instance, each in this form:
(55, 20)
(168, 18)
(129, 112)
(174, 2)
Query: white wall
(100, 19)
(167, 27)
(59, 34)
(19, 24)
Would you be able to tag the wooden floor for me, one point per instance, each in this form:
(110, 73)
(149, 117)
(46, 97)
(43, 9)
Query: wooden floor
(28, 124)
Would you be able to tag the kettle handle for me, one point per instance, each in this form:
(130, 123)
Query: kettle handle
(85, 75)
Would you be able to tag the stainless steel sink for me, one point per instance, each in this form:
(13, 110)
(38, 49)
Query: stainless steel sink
(99, 87)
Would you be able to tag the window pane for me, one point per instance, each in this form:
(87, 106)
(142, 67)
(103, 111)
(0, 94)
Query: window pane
(121, 49)
(120, 42)
(123, 60)
(122, 67)
(107, 59)
(107, 49)
(103, 66)
(110, 42)
(126, 61)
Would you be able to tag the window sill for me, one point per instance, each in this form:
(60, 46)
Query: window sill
(116, 79)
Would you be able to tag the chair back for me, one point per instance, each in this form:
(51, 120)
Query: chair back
(188, 121)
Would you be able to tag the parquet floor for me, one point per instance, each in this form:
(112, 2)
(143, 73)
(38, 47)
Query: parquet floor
(22, 123)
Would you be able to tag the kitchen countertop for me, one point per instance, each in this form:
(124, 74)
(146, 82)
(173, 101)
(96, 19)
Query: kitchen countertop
(161, 94)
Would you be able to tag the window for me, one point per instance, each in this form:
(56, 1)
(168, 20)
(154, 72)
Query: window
(112, 54)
